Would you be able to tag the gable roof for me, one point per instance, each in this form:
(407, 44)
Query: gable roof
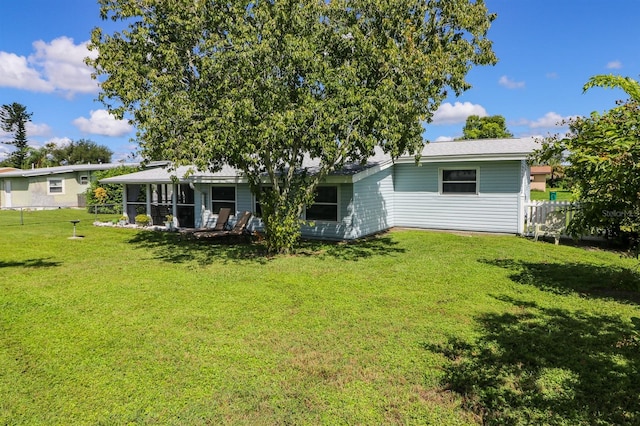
(476, 150)
(479, 150)
(63, 169)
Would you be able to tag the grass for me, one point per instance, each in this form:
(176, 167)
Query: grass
(561, 195)
(411, 327)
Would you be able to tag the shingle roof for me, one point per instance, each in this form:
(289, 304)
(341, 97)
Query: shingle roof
(481, 148)
(486, 149)
(64, 169)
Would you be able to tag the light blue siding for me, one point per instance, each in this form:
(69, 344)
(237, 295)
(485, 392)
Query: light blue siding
(500, 177)
(418, 202)
(339, 230)
(373, 204)
(408, 195)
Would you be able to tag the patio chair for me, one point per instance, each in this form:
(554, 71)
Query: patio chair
(220, 226)
(223, 218)
(238, 230)
(554, 224)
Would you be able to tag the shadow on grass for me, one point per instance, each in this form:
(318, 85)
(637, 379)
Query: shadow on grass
(548, 366)
(171, 247)
(615, 282)
(30, 263)
(374, 246)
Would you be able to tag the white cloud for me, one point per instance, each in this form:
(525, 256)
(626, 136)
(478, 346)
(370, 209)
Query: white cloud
(552, 75)
(63, 65)
(35, 129)
(614, 65)
(457, 113)
(549, 120)
(15, 72)
(444, 139)
(4, 152)
(57, 66)
(102, 123)
(509, 83)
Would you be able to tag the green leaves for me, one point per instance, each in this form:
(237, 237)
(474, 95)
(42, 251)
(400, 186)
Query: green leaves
(13, 119)
(493, 127)
(259, 84)
(629, 85)
(603, 152)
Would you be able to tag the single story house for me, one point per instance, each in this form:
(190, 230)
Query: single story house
(49, 187)
(539, 176)
(479, 185)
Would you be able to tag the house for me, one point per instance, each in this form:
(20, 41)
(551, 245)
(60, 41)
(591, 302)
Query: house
(48, 187)
(539, 176)
(479, 185)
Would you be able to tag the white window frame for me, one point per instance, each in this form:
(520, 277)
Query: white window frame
(441, 181)
(213, 200)
(337, 204)
(84, 180)
(61, 192)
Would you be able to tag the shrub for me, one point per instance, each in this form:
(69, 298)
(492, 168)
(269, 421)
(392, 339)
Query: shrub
(142, 220)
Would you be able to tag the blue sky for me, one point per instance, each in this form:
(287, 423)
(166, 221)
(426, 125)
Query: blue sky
(547, 50)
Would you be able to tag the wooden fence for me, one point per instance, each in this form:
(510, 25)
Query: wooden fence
(536, 213)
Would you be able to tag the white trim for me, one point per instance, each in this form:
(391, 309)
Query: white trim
(458, 194)
(49, 180)
(370, 171)
(464, 157)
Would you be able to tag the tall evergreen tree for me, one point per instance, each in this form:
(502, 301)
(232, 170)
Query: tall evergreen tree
(14, 118)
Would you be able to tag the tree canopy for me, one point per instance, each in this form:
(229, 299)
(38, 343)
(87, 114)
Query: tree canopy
(82, 151)
(13, 119)
(492, 127)
(603, 156)
(261, 84)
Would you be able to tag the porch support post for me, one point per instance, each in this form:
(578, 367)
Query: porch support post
(148, 197)
(174, 201)
(125, 197)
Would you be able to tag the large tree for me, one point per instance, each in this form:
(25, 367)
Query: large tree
(491, 127)
(14, 118)
(603, 156)
(262, 84)
(82, 151)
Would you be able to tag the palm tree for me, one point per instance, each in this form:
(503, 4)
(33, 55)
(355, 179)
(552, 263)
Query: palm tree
(610, 81)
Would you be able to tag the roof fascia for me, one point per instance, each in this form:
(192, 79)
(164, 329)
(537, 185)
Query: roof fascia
(465, 157)
(371, 171)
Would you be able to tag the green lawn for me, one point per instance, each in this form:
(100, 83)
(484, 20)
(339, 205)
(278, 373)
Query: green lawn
(411, 327)
(561, 195)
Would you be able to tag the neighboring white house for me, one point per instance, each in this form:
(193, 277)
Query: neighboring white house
(479, 185)
(49, 187)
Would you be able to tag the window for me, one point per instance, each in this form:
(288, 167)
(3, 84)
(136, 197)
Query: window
(325, 206)
(56, 186)
(84, 180)
(223, 196)
(459, 181)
